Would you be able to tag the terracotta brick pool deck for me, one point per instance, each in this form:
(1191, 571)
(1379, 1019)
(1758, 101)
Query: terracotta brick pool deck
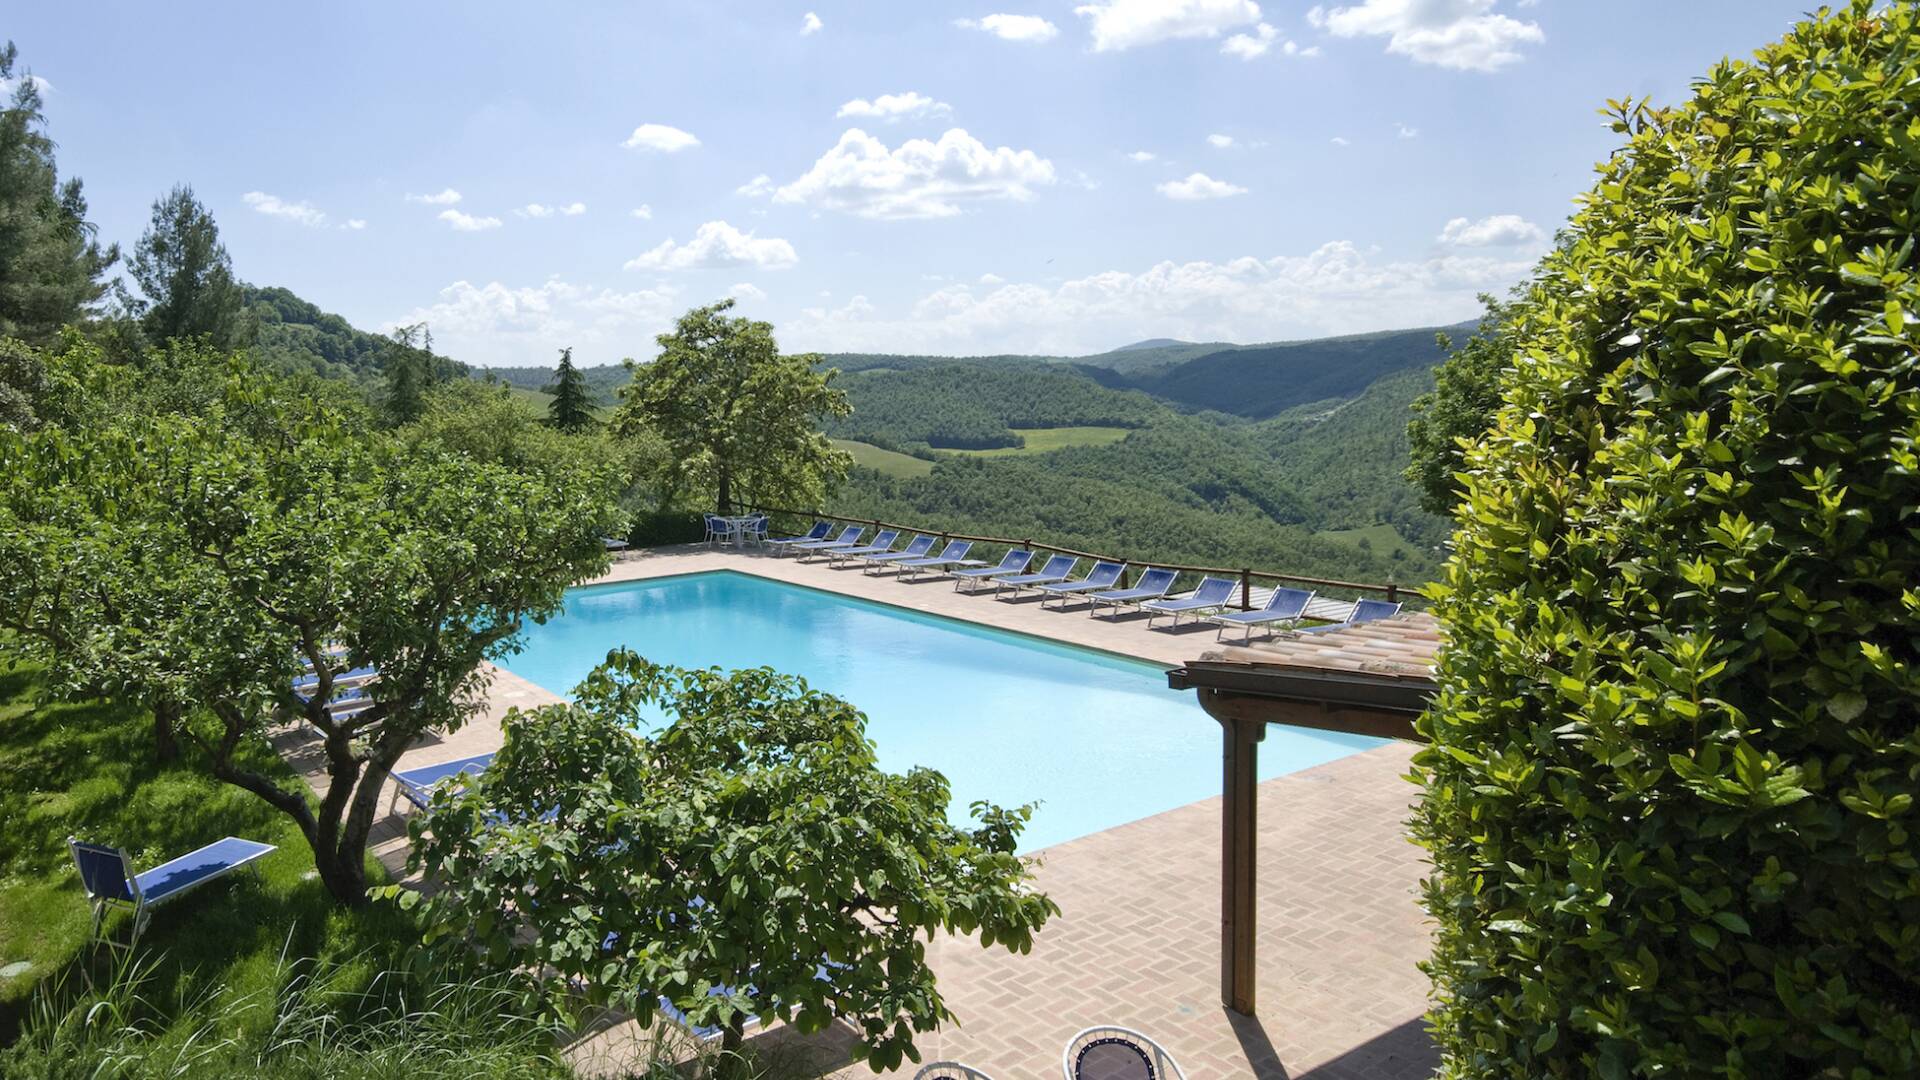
(1137, 944)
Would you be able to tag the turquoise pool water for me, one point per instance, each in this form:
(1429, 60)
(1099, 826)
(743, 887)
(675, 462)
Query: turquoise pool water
(1096, 739)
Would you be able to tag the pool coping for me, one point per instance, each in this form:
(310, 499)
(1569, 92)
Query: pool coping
(1124, 639)
(1163, 666)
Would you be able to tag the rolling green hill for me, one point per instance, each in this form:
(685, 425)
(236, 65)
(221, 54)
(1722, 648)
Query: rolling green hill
(292, 334)
(975, 406)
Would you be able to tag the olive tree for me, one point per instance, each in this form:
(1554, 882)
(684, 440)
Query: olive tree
(741, 419)
(749, 857)
(1674, 756)
(215, 556)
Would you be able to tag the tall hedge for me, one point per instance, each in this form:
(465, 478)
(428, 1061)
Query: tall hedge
(1677, 743)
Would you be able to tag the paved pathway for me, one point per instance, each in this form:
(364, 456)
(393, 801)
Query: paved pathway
(1137, 943)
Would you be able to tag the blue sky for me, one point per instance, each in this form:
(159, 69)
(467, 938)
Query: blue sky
(1059, 177)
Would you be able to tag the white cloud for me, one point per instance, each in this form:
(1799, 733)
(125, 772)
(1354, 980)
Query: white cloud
(1251, 46)
(643, 212)
(1199, 186)
(810, 24)
(356, 224)
(1027, 29)
(1406, 132)
(495, 324)
(1125, 24)
(536, 210)
(1220, 142)
(715, 245)
(446, 197)
(920, 179)
(463, 222)
(1467, 35)
(1143, 156)
(992, 279)
(747, 291)
(273, 206)
(1339, 140)
(756, 188)
(895, 107)
(7, 86)
(1499, 230)
(1338, 288)
(661, 137)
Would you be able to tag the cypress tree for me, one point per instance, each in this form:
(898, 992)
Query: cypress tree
(572, 407)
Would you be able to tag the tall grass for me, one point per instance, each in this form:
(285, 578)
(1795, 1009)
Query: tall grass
(296, 1023)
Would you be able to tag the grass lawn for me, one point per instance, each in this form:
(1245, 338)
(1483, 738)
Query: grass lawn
(1041, 440)
(889, 462)
(87, 769)
(1383, 540)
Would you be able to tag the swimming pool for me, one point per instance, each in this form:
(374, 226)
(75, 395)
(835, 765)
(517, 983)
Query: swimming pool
(1096, 739)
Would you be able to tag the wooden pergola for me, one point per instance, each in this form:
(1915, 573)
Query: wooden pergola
(1372, 679)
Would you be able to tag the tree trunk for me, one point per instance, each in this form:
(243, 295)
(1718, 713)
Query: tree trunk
(732, 1064)
(726, 494)
(166, 719)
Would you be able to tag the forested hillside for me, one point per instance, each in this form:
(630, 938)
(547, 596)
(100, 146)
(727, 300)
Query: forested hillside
(293, 335)
(975, 406)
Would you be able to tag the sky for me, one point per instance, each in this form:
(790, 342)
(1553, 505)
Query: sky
(1048, 176)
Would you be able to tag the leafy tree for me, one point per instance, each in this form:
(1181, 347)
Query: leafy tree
(1670, 793)
(23, 383)
(572, 407)
(1460, 407)
(184, 273)
(410, 372)
(743, 419)
(207, 556)
(750, 857)
(51, 265)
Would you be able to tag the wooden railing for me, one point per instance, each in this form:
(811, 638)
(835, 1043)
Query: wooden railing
(1245, 575)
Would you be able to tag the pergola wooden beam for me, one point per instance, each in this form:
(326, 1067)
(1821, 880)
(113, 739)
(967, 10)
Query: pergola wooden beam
(1244, 700)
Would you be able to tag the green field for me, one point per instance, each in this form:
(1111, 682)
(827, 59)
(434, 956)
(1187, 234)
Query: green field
(1383, 540)
(869, 456)
(1041, 440)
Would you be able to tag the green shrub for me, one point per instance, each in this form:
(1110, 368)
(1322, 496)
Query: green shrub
(1674, 751)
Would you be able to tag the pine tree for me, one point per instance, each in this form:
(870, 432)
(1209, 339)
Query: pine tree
(572, 408)
(185, 274)
(410, 370)
(51, 267)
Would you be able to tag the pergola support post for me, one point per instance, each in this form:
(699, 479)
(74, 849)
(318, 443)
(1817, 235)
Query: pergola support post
(1240, 738)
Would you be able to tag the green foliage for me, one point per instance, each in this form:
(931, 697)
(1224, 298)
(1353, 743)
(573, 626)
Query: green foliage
(572, 406)
(186, 276)
(1047, 440)
(750, 857)
(293, 335)
(23, 384)
(972, 406)
(740, 419)
(51, 267)
(603, 381)
(1674, 764)
(221, 548)
(1465, 395)
(890, 462)
(295, 1021)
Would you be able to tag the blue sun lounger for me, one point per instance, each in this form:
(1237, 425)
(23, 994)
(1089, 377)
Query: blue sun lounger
(1102, 576)
(416, 785)
(916, 550)
(341, 679)
(1013, 562)
(1362, 611)
(953, 558)
(1057, 568)
(849, 538)
(882, 542)
(818, 532)
(1153, 585)
(108, 878)
(1214, 592)
(1283, 606)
